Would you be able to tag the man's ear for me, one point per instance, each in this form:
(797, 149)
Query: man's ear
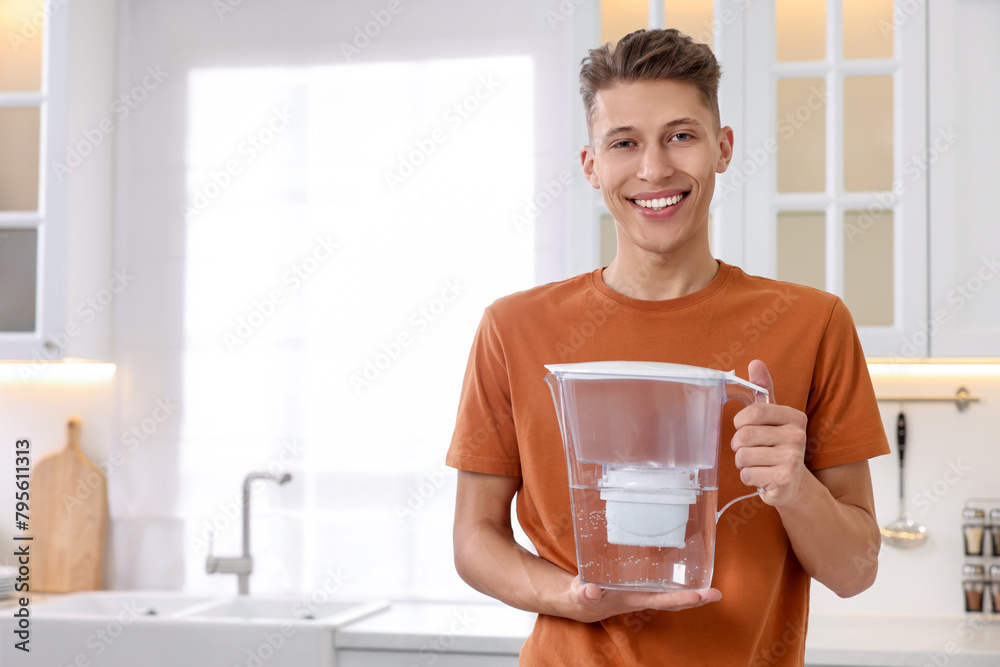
(587, 160)
(725, 149)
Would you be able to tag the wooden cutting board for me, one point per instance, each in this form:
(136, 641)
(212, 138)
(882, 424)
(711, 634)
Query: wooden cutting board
(68, 519)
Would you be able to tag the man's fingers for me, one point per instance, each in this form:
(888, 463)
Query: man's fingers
(679, 599)
(763, 414)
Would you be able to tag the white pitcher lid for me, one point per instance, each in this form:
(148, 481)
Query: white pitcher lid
(657, 370)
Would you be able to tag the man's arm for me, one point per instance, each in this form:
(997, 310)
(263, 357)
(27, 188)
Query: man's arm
(489, 559)
(829, 514)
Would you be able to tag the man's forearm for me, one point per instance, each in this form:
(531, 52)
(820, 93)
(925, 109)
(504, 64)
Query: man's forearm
(836, 541)
(492, 562)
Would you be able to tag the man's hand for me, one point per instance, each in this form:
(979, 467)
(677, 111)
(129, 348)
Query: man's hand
(593, 603)
(490, 560)
(770, 444)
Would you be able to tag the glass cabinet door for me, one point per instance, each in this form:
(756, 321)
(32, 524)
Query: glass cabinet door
(32, 85)
(834, 99)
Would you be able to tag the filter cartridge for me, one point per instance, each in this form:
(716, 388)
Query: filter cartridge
(648, 507)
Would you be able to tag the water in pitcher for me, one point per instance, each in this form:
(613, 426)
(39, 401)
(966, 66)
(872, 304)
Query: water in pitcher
(636, 559)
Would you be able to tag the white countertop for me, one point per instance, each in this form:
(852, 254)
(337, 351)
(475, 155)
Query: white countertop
(833, 639)
(875, 640)
(441, 627)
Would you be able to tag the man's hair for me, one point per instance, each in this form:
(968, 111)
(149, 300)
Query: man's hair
(651, 55)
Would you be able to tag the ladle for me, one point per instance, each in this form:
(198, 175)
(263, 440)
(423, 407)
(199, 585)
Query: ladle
(904, 532)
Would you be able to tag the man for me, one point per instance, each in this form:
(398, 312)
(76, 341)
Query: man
(656, 143)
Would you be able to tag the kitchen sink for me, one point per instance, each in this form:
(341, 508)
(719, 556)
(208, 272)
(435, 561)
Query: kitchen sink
(123, 629)
(333, 612)
(111, 603)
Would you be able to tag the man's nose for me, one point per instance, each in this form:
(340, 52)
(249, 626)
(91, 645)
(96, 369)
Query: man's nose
(655, 164)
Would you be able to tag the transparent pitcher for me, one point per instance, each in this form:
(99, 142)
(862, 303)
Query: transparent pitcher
(642, 446)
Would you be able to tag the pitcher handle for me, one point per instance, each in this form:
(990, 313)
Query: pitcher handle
(746, 393)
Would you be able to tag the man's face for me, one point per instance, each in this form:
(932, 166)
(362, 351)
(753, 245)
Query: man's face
(654, 154)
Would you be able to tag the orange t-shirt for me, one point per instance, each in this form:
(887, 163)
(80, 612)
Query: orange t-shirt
(507, 426)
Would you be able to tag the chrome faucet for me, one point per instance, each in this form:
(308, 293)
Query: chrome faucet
(242, 566)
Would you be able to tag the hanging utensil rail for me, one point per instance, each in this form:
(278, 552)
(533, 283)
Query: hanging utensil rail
(961, 398)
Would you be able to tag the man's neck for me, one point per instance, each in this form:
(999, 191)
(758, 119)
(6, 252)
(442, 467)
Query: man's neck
(657, 278)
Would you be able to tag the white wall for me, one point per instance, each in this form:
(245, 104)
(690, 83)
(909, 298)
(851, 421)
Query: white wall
(951, 456)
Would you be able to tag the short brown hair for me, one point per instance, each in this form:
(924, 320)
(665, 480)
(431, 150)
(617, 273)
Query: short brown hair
(651, 55)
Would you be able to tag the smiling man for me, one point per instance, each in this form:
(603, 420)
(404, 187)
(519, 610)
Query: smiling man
(656, 144)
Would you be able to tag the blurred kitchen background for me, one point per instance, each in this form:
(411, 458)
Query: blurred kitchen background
(258, 235)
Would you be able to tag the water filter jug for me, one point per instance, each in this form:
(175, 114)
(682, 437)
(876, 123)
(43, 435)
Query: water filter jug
(642, 443)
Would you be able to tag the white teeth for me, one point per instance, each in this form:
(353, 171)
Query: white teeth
(659, 204)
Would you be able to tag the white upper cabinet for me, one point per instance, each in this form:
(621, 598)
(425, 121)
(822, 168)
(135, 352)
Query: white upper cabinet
(33, 89)
(964, 97)
(828, 186)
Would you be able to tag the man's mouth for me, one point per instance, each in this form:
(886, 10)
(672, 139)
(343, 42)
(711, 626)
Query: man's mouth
(660, 203)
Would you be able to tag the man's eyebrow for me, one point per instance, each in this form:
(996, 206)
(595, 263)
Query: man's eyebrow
(630, 129)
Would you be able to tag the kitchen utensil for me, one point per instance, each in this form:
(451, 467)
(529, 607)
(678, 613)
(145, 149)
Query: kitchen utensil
(68, 518)
(642, 446)
(904, 532)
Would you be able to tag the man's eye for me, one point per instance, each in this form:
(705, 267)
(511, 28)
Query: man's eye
(624, 143)
(682, 136)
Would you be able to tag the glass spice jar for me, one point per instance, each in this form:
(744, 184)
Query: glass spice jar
(994, 530)
(973, 586)
(973, 529)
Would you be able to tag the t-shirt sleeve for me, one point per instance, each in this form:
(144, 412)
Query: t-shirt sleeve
(844, 421)
(485, 439)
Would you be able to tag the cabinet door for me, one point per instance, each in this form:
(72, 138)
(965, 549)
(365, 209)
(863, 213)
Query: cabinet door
(33, 89)
(964, 197)
(831, 180)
